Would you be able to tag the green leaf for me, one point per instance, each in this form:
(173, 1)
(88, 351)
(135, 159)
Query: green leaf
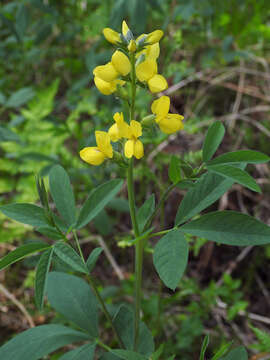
(22, 20)
(62, 194)
(67, 254)
(73, 298)
(230, 228)
(85, 352)
(97, 200)
(124, 324)
(208, 189)
(42, 271)
(145, 212)
(246, 156)
(170, 258)
(25, 213)
(224, 348)
(50, 232)
(213, 139)
(21, 252)
(238, 353)
(174, 169)
(39, 341)
(92, 258)
(20, 97)
(8, 135)
(237, 175)
(128, 355)
(156, 355)
(109, 356)
(204, 347)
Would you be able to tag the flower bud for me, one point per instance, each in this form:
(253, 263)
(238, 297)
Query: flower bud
(157, 83)
(112, 36)
(132, 46)
(154, 36)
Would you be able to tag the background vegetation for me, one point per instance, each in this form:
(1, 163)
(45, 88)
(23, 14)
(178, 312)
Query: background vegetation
(215, 55)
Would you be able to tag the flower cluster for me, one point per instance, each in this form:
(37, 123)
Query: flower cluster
(134, 61)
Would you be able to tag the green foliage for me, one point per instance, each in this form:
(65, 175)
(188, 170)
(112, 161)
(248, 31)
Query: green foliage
(69, 256)
(85, 352)
(145, 212)
(212, 140)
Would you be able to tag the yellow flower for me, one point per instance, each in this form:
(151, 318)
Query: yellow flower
(120, 129)
(105, 87)
(146, 70)
(134, 147)
(112, 36)
(125, 28)
(157, 83)
(132, 46)
(121, 63)
(95, 155)
(106, 72)
(154, 36)
(168, 123)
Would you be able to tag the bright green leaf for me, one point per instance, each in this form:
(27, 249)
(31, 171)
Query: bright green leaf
(213, 139)
(31, 344)
(170, 258)
(21, 252)
(246, 156)
(42, 271)
(92, 258)
(145, 212)
(204, 347)
(224, 348)
(97, 200)
(73, 298)
(85, 352)
(67, 254)
(237, 175)
(230, 228)
(62, 194)
(25, 213)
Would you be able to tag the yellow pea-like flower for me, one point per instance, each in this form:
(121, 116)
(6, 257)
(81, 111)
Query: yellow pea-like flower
(112, 36)
(157, 83)
(95, 155)
(134, 147)
(105, 87)
(154, 36)
(121, 63)
(120, 129)
(106, 72)
(168, 123)
(146, 69)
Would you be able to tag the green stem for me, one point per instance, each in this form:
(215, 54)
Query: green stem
(96, 292)
(133, 86)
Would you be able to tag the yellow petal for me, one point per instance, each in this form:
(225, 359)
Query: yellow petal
(129, 149)
(161, 107)
(114, 133)
(121, 63)
(92, 155)
(138, 149)
(157, 83)
(154, 36)
(111, 35)
(106, 72)
(146, 70)
(136, 128)
(171, 123)
(132, 46)
(104, 143)
(125, 28)
(105, 87)
(152, 51)
(118, 118)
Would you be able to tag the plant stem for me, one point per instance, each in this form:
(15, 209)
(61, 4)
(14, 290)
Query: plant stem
(133, 86)
(97, 294)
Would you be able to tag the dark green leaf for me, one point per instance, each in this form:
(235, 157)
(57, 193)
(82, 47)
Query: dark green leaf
(204, 347)
(124, 324)
(25, 213)
(39, 341)
(43, 268)
(128, 355)
(73, 298)
(145, 212)
(237, 175)
(246, 156)
(21, 252)
(93, 257)
(208, 189)
(8, 135)
(103, 223)
(229, 227)
(174, 169)
(20, 97)
(97, 200)
(170, 258)
(67, 254)
(22, 19)
(109, 356)
(238, 353)
(85, 352)
(50, 232)
(213, 139)
(62, 194)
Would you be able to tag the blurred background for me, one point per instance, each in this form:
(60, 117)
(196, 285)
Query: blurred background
(215, 56)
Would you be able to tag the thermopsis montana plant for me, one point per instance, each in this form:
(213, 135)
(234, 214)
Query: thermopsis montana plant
(133, 65)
